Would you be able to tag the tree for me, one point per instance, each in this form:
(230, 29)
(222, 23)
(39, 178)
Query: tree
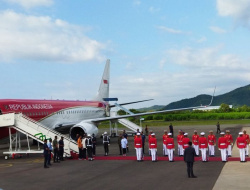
(224, 108)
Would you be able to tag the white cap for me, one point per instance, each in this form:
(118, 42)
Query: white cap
(169, 133)
(222, 133)
(89, 135)
(105, 133)
(227, 131)
(153, 134)
(202, 133)
(195, 131)
(211, 131)
(138, 133)
(240, 133)
(185, 133)
(165, 131)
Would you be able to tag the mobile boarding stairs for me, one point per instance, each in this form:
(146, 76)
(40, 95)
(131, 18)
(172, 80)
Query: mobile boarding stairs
(34, 130)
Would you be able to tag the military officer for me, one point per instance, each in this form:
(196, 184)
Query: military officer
(195, 141)
(180, 143)
(229, 138)
(138, 147)
(185, 141)
(246, 136)
(222, 145)
(203, 146)
(153, 147)
(211, 143)
(241, 144)
(164, 138)
(106, 143)
(170, 147)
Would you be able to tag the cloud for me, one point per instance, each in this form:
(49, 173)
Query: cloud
(31, 3)
(153, 9)
(217, 29)
(205, 59)
(201, 70)
(237, 9)
(136, 2)
(171, 30)
(42, 38)
(202, 39)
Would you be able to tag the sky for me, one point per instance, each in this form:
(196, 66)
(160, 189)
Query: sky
(166, 50)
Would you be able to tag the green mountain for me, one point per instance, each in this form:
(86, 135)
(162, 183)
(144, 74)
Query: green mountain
(237, 97)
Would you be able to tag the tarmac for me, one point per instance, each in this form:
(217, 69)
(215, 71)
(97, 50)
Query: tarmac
(111, 173)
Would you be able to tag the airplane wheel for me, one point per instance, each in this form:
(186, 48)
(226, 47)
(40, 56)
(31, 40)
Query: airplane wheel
(6, 157)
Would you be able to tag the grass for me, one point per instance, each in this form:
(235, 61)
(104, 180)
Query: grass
(182, 123)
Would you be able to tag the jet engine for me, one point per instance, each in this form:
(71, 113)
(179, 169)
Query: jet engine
(83, 128)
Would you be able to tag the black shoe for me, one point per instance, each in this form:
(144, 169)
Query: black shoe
(46, 167)
(194, 176)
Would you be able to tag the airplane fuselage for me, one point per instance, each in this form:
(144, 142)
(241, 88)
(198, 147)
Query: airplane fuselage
(53, 113)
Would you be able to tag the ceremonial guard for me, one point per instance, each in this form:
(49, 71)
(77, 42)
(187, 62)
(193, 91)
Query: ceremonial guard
(89, 145)
(230, 141)
(106, 143)
(246, 136)
(153, 147)
(138, 147)
(170, 147)
(203, 147)
(211, 143)
(222, 145)
(164, 139)
(180, 143)
(185, 141)
(149, 136)
(195, 140)
(241, 144)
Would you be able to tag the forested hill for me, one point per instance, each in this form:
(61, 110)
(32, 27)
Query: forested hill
(237, 97)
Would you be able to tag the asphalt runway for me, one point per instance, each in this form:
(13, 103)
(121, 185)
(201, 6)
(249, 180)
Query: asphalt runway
(28, 173)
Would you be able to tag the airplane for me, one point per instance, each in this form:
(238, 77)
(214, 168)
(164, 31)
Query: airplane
(73, 116)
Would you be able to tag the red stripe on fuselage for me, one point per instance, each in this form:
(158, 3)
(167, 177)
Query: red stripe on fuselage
(39, 109)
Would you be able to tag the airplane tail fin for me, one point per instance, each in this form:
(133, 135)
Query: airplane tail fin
(103, 91)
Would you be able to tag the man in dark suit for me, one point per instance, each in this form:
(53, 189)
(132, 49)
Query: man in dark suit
(189, 154)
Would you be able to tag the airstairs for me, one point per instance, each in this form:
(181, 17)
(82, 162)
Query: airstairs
(125, 122)
(34, 130)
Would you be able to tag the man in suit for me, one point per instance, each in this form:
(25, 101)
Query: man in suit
(189, 155)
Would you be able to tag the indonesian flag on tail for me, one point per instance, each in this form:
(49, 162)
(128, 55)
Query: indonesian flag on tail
(105, 81)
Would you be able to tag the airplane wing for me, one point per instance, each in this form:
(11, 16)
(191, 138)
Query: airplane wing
(122, 104)
(97, 120)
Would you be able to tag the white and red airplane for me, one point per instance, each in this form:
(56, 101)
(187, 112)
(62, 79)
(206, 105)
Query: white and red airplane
(76, 117)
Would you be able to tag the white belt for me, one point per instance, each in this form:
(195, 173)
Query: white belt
(203, 144)
(186, 144)
(138, 144)
(170, 144)
(211, 141)
(222, 143)
(152, 144)
(241, 143)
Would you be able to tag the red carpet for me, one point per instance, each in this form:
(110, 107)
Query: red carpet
(161, 158)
